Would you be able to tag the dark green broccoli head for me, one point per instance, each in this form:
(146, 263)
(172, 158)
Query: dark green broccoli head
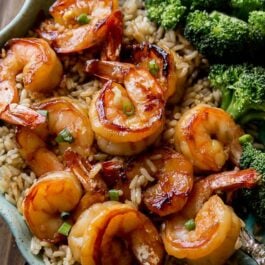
(242, 8)
(208, 5)
(243, 90)
(254, 199)
(217, 36)
(256, 23)
(165, 13)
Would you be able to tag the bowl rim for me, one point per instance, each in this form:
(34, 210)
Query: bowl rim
(26, 6)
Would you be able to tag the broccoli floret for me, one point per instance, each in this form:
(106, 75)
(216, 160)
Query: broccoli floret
(254, 199)
(242, 8)
(256, 22)
(217, 36)
(243, 90)
(165, 13)
(208, 5)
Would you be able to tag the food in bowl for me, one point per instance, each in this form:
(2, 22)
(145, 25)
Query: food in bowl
(115, 149)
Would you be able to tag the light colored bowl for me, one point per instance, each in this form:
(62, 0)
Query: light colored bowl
(24, 19)
(19, 229)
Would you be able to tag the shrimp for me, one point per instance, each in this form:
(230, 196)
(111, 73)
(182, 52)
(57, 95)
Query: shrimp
(125, 119)
(115, 233)
(170, 78)
(103, 18)
(208, 137)
(217, 227)
(174, 183)
(51, 195)
(63, 115)
(42, 72)
(213, 240)
(94, 186)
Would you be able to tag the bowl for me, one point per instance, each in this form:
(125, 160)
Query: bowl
(24, 19)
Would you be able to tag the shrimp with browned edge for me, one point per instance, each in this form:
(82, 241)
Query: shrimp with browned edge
(126, 119)
(216, 226)
(161, 63)
(168, 186)
(42, 72)
(115, 233)
(51, 195)
(102, 25)
(94, 186)
(208, 137)
(66, 120)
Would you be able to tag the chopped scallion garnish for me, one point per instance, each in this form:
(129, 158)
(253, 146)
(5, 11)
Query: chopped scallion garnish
(64, 136)
(64, 229)
(128, 108)
(190, 225)
(153, 67)
(83, 19)
(65, 215)
(114, 195)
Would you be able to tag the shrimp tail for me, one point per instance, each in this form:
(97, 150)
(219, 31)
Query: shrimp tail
(112, 48)
(21, 115)
(81, 168)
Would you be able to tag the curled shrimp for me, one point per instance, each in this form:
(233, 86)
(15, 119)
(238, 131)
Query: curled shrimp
(115, 233)
(208, 137)
(217, 227)
(103, 18)
(213, 240)
(62, 113)
(57, 192)
(170, 78)
(174, 183)
(42, 72)
(126, 118)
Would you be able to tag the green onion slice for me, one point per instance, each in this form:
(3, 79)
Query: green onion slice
(64, 136)
(64, 229)
(128, 108)
(153, 67)
(83, 19)
(190, 225)
(114, 195)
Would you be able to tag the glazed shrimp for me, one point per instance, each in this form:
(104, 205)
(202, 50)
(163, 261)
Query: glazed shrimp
(213, 240)
(102, 18)
(63, 115)
(42, 72)
(115, 233)
(208, 137)
(45, 201)
(217, 227)
(164, 63)
(125, 119)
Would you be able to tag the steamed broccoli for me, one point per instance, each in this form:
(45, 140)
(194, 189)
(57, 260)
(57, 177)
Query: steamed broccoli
(243, 90)
(208, 5)
(167, 13)
(216, 35)
(256, 22)
(254, 199)
(242, 8)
